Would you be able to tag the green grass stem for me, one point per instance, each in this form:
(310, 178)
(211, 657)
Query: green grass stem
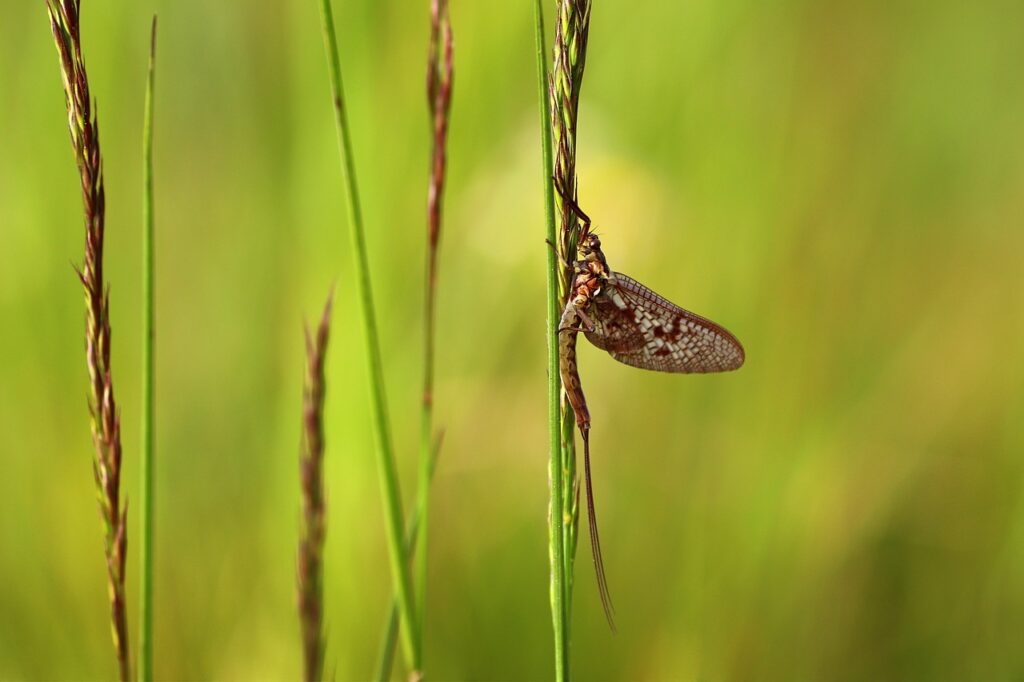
(413, 536)
(556, 519)
(146, 497)
(385, 455)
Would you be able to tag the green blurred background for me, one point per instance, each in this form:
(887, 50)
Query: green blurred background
(840, 184)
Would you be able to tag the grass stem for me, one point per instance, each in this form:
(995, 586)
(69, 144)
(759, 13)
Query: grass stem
(146, 496)
(385, 455)
(439, 97)
(556, 517)
(413, 533)
(572, 28)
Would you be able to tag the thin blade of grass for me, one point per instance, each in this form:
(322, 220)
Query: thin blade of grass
(147, 501)
(556, 518)
(414, 531)
(378, 404)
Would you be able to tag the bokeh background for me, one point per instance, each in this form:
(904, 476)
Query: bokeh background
(841, 184)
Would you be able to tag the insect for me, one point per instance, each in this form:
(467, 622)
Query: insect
(637, 327)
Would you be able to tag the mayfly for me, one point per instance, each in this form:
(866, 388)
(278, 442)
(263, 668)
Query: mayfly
(637, 327)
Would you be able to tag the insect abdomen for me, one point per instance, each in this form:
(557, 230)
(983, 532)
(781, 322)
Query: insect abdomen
(570, 375)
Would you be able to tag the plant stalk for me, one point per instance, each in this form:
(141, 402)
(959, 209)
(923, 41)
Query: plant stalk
(439, 96)
(378, 403)
(572, 28)
(556, 517)
(414, 530)
(146, 493)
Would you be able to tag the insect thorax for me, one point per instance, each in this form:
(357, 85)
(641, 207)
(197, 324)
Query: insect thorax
(590, 271)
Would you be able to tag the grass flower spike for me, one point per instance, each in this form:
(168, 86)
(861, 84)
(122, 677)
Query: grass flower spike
(439, 100)
(106, 424)
(314, 530)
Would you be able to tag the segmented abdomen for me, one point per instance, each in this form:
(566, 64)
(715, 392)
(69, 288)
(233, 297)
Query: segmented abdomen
(568, 327)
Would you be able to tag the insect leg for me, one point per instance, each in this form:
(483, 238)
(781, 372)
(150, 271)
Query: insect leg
(585, 321)
(576, 209)
(581, 323)
(584, 324)
(561, 258)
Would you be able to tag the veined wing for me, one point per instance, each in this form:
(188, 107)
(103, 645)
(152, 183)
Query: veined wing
(615, 325)
(640, 328)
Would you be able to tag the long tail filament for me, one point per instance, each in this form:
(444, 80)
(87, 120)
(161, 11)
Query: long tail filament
(595, 540)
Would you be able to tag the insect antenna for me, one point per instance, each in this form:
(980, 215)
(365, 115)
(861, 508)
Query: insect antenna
(595, 540)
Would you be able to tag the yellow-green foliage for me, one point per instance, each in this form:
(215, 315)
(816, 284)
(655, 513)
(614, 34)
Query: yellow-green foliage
(840, 184)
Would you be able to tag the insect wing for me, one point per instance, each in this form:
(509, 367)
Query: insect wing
(614, 324)
(642, 329)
